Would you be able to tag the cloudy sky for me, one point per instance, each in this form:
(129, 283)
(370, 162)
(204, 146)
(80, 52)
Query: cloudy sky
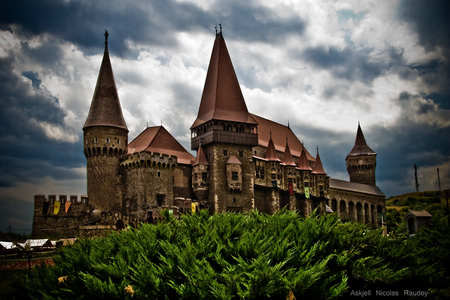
(321, 65)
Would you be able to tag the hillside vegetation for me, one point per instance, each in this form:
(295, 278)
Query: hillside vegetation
(397, 207)
(244, 256)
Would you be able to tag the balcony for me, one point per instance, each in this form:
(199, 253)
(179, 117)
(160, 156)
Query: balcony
(226, 137)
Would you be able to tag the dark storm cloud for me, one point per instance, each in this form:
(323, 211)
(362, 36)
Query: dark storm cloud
(17, 214)
(151, 22)
(26, 152)
(431, 21)
(351, 64)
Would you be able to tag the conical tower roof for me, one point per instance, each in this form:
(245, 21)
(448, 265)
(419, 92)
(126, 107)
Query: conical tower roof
(201, 157)
(270, 152)
(105, 107)
(222, 97)
(317, 165)
(288, 159)
(303, 163)
(360, 147)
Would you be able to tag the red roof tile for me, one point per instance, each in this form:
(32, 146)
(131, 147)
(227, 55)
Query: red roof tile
(222, 97)
(288, 159)
(339, 184)
(270, 152)
(360, 147)
(158, 139)
(303, 163)
(234, 160)
(279, 135)
(317, 165)
(105, 107)
(201, 157)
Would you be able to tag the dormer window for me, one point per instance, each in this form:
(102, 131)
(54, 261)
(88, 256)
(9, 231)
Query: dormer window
(108, 140)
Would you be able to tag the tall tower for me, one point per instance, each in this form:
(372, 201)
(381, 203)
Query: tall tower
(105, 140)
(361, 161)
(227, 133)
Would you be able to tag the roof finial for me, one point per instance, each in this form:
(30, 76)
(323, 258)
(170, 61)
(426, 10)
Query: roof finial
(317, 150)
(288, 125)
(215, 28)
(220, 28)
(106, 39)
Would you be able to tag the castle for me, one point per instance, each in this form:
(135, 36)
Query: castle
(243, 162)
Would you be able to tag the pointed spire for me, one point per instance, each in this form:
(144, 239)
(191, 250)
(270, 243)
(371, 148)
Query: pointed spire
(201, 157)
(105, 107)
(288, 159)
(270, 152)
(222, 97)
(317, 165)
(303, 163)
(360, 147)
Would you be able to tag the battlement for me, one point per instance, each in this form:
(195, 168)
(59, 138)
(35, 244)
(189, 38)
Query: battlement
(149, 160)
(59, 215)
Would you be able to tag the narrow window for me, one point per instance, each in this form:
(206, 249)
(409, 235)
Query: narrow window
(234, 175)
(204, 176)
(225, 152)
(241, 153)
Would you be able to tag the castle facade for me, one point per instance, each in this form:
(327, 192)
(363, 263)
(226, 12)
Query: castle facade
(243, 162)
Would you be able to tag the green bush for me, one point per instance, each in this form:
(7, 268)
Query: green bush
(242, 256)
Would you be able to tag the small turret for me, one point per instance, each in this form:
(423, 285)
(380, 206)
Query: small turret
(288, 159)
(105, 140)
(361, 161)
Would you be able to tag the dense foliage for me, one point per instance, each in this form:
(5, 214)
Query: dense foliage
(248, 256)
(397, 208)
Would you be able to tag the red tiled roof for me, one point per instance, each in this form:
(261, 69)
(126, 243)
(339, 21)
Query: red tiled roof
(288, 160)
(201, 157)
(158, 139)
(279, 135)
(317, 165)
(234, 160)
(105, 107)
(270, 152)
(303, 163)
(339, 184)
(360, 147)
(222, 97)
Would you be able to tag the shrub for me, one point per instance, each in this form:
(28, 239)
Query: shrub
(242, 256)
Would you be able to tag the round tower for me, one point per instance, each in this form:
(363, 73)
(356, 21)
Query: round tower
(105, 141)
(361, 161)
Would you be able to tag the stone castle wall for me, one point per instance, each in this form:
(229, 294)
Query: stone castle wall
(220, 196)
(48, 220)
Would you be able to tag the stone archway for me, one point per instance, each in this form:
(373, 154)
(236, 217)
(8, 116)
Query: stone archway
(372, 215)
(366, 213)
(359, 214)
(334, 205)
(343, 209)
(351, 210)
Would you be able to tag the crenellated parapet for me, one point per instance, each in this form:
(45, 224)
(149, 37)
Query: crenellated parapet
(105, 141)
(59, 215)
(146, 159)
